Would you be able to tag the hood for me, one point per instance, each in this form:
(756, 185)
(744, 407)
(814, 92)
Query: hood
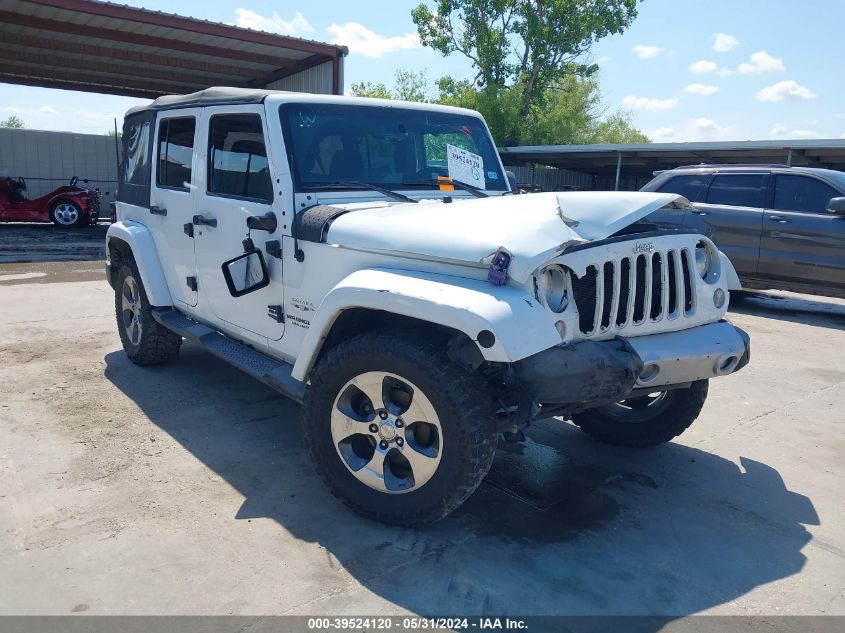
(532, 228)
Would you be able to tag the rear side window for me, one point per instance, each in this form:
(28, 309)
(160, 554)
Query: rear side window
(740, 190)
(175, 152)
(690, 187)
(237, 158)
(800, 193)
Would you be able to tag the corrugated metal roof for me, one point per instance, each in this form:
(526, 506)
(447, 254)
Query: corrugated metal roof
(106, 47)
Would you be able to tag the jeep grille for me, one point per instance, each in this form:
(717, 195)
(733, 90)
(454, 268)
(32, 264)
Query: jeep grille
(632, 290)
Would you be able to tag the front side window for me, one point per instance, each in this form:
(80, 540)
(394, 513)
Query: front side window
(690, 187)
(237, 158)
(175, 152)
(394, 147)
(800, 193)
(738, 190)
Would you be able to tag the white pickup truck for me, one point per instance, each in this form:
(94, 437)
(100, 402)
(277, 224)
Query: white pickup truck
(368, 258)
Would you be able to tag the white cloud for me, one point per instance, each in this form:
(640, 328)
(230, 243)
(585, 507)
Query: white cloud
(47, 109)
(722, 42)
(647, 104)
(781, 131)
(662, 134)
(646, 52)
(709, 129)
(365, 42)
(783, 90)
(761, 62)
(842, 135)
(702, 67)
(724, 72)
(701, 89)
(275, 23)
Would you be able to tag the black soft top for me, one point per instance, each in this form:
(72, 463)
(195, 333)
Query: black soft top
(209, 96)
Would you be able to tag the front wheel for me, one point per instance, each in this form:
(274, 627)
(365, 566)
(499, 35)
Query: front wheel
(397, 431)
(646, 420)
(66, 214)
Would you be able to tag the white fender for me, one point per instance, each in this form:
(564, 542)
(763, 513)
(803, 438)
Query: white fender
(731, 277)
(519, 323)
(140, 240)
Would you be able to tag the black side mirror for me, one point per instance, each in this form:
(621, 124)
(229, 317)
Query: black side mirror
(837, 205)
(511, 180)
(246, 273)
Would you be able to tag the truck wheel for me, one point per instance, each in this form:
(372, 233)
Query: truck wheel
(145, 341)
(66, 214)
(645, 420)
(398, 432)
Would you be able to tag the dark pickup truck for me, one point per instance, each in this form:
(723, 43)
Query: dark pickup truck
(782, 227)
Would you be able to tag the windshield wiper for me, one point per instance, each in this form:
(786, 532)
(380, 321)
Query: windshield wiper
(457, 184)
(354, 184)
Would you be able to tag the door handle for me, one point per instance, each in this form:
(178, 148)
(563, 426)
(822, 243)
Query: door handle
(266, 222)
(700, 212)
(779, 218)
(200, 220)
(158, 210)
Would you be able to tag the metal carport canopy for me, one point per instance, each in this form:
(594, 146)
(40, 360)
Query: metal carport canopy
(109, 48)
(643, 159)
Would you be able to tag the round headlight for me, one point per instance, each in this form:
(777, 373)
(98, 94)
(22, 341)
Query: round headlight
(703, 260)
(553, 283)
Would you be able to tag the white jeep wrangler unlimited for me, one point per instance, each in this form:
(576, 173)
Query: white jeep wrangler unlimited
(367, 258)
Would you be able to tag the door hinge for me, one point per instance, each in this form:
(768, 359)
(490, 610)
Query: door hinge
(192, 283)
(276, 313)
(189, 229)
(273, 248)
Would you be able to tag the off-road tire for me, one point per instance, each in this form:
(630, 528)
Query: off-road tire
(668, 422)
(461, 399)
(157, 344)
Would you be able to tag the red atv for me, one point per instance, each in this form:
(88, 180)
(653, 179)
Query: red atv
(69, 205)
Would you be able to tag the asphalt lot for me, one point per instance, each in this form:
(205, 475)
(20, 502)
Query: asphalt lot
(185, 489)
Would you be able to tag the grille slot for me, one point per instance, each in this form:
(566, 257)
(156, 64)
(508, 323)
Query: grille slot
(617, 294)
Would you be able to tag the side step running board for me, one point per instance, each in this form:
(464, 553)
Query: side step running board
(270, 371)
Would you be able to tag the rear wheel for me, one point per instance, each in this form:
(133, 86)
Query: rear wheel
(397, 431)
(645, 420)
(145, 341)
(66, 214)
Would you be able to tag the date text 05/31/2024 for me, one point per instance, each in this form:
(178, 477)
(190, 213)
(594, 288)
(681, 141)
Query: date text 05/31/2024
(415, 623)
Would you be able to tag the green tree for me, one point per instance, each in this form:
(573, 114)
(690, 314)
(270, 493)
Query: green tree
(407, 86)
(13, 122)
(529, 45)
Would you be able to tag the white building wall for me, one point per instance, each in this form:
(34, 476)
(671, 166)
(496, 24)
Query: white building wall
(317, 80)
(49, 159)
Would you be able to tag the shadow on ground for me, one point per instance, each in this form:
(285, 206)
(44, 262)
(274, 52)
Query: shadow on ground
(21, 242)
(562, 525)
(803, 309)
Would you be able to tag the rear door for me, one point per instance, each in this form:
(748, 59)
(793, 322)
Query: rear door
(172, 201)
(732, 216)
(237, 182)
(693, 187)
(802, 240)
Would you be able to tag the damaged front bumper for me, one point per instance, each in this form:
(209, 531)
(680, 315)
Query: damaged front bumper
(593, 373)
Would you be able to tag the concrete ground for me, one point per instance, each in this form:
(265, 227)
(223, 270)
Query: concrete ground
(185, 489)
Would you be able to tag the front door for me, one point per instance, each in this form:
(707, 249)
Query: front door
(172, 203)
(802, 241)
(237, 184)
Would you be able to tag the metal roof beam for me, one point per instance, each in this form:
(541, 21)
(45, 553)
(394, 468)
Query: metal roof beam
(182, 23)
(87, 85)
(43, 44)
(162, 43)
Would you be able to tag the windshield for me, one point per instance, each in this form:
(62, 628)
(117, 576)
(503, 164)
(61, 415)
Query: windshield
(395, 148)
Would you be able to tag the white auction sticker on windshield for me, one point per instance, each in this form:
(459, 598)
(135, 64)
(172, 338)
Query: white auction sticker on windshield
(465, 166)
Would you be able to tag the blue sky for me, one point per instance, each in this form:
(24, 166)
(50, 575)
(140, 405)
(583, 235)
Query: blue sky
(686, 70)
